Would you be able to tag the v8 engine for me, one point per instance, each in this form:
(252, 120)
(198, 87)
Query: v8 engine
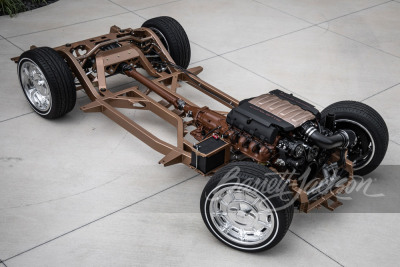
(280, 129)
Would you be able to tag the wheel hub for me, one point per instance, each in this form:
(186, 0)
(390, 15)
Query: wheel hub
(242, 214)
(35, 86)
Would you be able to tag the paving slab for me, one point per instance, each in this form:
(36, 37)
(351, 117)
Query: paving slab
(209, 22)
(392, 156)
(321, 65)
(378, 27)
(166, 224)
(317, 11)
(134, 5)
(355, 239)
(12, 100)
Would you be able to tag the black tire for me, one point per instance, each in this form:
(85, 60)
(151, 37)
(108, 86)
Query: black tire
(58, 76)
(371, 131)
(252, 181)
(174, 38)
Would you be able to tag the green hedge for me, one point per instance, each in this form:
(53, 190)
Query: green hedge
(12, 7)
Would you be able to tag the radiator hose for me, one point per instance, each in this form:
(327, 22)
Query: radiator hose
(340, 139)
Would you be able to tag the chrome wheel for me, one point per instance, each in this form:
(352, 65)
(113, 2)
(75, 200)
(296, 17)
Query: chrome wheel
(241, 214)
(35, 86)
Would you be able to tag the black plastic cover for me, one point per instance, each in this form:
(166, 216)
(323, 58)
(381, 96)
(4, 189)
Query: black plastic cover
(207, 164)
(261, 123)
(296, 101)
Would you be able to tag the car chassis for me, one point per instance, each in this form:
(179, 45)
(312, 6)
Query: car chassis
(165, 84)
(136, 48)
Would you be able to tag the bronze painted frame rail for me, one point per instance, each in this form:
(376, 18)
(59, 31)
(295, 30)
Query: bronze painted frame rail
(164, 84)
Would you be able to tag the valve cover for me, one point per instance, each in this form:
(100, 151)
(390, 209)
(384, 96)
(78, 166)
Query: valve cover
(264, 116)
